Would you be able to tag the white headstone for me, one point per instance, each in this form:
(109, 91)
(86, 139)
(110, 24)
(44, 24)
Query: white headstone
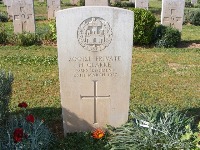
(41, 1)
(94, 57)
(172, 13)
(96, 2)
(194, 1)
(53, 6)
(74, 2)
(23, 16)
(142, 4)
(8, 4)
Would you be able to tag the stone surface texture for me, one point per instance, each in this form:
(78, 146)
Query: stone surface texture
(52, 6)
(94, 57)
(96, 2)
(172, 13)
(23, 16)
(142, 4)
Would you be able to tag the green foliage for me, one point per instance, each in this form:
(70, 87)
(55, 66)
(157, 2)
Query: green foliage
(192, 137)
(165, 36)
(52, 36)
(192, 16)
(144, 23)
(82, 141)
(195, 18)
(26, 39)
(3, 17)
(31, 60)
(24, 131)
(36, 136)
(82, 2)
(123, 4)
(188, 4)
(152, 129)
(3, 34)
(5, 94)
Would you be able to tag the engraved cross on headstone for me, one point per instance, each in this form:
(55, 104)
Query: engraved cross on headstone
(95, 97)
(173, 18)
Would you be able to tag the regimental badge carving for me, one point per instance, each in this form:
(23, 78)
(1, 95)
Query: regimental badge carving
(94, 34)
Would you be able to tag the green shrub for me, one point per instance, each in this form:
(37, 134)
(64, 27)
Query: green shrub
(165, 36)
(192, 16)
(192, 136)
(5, 94)
(195, 18)
(144, 23)
(82, 2)
(152, 129)
(26, 39)
(3, 17)
(3, 34)
(123, 4)
(188, 4)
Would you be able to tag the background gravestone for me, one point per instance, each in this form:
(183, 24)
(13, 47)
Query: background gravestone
(8, 4)
(142, 4)
(194, 1)
(172, 13)
(94, 57)
(74, 2)
(23, 16)
(41, 1)
(53, 6)
(96, 2)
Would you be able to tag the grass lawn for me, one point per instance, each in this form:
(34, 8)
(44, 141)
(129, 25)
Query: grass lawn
(160, 77)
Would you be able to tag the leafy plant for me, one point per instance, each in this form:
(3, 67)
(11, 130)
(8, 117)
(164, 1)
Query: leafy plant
(25, 132)
(123, 4)
(3, 17)
(151, 129)
(165, 36)
(195, 18)
(144, 23)
(27, 39)
(82, 2)
(6, 80)
(191, 136)
(3, 34)
(52, 36)
(192, 16)
(82, 141)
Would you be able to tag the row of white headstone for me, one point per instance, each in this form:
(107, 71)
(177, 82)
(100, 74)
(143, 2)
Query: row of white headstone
(22, 12)
(23, 15)
(94, 58)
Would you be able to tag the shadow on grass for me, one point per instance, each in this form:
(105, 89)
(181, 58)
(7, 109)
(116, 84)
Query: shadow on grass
(193, 112)
(189, 44)
(73, 141)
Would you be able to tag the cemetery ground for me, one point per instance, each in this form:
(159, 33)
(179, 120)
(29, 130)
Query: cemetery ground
(161, 77)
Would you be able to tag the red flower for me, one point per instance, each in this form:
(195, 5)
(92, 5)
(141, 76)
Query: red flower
(30, 118)
(98, 134)
(22, 105)
(18, 135)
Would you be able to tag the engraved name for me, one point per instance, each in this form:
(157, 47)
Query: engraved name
(98, 66)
